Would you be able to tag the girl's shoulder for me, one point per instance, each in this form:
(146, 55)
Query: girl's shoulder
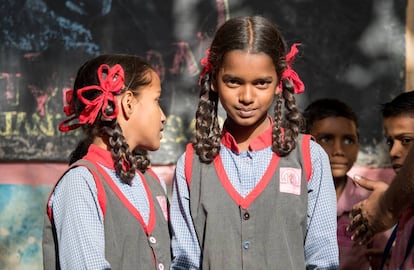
(76, 178)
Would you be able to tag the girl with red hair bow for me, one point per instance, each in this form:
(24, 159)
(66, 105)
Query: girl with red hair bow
(109, 209)
(253, 193)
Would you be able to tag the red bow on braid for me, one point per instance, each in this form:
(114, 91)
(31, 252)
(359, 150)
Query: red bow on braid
(205, 63)
(111, 82)
(289, 73)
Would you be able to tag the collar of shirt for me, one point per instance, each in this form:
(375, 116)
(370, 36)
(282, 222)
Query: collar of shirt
(261, 142)
(101, 156)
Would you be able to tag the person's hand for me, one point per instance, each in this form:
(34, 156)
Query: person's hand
(370, 216)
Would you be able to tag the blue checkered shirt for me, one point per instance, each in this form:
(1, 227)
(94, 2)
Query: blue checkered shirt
(244, 171)
(79, 220)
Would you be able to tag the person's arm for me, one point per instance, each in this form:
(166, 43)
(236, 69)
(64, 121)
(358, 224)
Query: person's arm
(383, 207)
(79, 222)
(184, 243)
(321, 245)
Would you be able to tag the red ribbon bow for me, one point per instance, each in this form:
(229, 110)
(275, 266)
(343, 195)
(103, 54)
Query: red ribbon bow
(205, 63)
(289, 73)
(111, 82)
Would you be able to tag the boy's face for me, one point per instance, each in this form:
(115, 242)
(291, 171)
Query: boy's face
(339, 137)
(399, 134)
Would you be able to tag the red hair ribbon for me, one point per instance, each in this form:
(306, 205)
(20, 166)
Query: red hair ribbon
(111, 82)
(289, 73)
(205, 63)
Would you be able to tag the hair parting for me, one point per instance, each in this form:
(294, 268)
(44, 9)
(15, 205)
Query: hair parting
(254, 35)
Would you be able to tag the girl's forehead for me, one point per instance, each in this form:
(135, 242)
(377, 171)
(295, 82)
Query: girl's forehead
(239, 60)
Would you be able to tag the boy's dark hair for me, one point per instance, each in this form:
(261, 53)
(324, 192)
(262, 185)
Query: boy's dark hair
(401, 104)
(255, 35)
(327, 107)
(136, 71)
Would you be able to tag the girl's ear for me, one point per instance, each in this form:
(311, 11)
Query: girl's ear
(127, 103)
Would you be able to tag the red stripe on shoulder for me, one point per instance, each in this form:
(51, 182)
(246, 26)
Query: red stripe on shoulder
(188, 165)
(100, 190)
(151, 171)
(307, 156)
(98, 182)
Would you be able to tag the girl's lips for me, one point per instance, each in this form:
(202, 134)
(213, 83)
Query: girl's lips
(246, 113)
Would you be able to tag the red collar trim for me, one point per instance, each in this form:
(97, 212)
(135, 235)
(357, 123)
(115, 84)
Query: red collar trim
(261, 142)
(245, 202)
(100, 155)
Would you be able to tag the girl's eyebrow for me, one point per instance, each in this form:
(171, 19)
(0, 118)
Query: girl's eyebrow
(230, 76)
(265, 78)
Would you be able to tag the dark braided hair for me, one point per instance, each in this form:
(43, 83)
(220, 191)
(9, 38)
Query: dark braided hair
(136, 70)
(254, 35)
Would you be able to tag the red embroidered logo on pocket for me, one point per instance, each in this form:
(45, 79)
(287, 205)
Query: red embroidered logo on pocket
(290, 180)
(163, 203)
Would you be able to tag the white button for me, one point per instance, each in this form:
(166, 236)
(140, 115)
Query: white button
(152, 240)
(160, 266)
(246, 245)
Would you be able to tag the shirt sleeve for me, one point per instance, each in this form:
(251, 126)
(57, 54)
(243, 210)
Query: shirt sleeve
(321, 245)
(79, 221)
(184, 243)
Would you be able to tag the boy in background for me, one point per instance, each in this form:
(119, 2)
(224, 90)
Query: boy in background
(334, 125)
(398, 121)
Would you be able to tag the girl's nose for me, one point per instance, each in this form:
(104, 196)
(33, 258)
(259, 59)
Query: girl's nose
(163, 117)
(246, 94)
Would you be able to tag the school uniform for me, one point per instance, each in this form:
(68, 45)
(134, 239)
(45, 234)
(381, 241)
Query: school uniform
(133, 237)
(230, 217)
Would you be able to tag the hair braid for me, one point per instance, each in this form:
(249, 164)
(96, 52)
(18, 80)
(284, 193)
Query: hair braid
(122, 157)
(208, 134)
(294, 122)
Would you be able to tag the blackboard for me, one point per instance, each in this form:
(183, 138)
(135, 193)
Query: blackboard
(352, 50)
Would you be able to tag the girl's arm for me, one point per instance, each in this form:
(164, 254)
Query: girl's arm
(185, 246)
(321, 245)
(79, 221)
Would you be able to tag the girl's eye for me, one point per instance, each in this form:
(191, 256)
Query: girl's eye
(262, 84)
(232, 83)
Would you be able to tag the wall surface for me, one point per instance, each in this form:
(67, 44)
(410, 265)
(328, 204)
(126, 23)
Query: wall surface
(352, 50)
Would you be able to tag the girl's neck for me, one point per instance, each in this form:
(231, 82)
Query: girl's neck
(340, 183)
(245, 134)
(98, 141)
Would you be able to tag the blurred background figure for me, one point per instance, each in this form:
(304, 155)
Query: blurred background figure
(334, 125)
